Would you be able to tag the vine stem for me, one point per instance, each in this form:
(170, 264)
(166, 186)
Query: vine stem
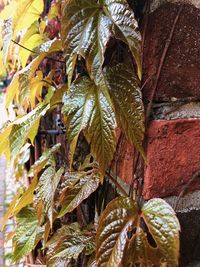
(26, 48)
(35, 265)
(166, 48)
(182, 193)
(117, 184)
(145, 29)
(155, 85)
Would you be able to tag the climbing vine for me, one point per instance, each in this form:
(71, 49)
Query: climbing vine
(78, 62)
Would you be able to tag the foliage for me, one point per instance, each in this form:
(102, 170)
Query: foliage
(69, 60)
(122, 237)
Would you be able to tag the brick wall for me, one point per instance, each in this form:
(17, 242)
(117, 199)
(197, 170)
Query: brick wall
(173, 134)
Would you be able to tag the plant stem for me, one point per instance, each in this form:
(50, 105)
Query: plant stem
(117, 184)
(166, 48)
(57, 60)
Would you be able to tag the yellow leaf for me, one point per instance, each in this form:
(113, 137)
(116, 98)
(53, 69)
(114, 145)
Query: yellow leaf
(26, 198)
(54, 11)
(29, 42)
(10, 210)
(4, 141)
(23, 12)
(28, 72)
(2, 66)
(57, 97)
(9, 10)
(42, 26)
(26, 127)
(12, 89)
(36, 86)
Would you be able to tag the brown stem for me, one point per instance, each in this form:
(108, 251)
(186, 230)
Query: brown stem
(146, 20)
(182, 193)
(52, 84)
(167, 44)
(136, 160)
(117, 184)
(22, 46)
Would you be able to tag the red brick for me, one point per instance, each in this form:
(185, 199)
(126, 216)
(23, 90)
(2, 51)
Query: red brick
(124, 158)
(173, 154)
(125, 162)
(180, 73)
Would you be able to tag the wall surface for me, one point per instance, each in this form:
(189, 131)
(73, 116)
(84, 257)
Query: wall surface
(173, 150)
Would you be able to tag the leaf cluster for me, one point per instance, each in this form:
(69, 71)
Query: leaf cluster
(61, 63)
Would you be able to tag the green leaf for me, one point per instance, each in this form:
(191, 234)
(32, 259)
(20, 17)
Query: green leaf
(88, 109)
(164, 227)
(125, 93)
(69, 242)
(125, 27)
(119, 217)
(26, 128)
(78, 186)
(44, 160)
(26, 230)
(87, 26)
(122, 238)
(101, 131)
(46, 188)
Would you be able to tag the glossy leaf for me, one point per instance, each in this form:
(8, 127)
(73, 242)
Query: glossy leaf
(44, 160)
(127, 99)
(26, 230)
(69, 242)
(119, 217)
(125, 27)
(46, 188)
(122, 237)
(88, 109)
(26, 128)
(78, 186)
(87, 27)
(164, 227)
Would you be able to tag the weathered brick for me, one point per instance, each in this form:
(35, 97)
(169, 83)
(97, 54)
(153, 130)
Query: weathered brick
(180, 73)
(173, 154)
(123, 160)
